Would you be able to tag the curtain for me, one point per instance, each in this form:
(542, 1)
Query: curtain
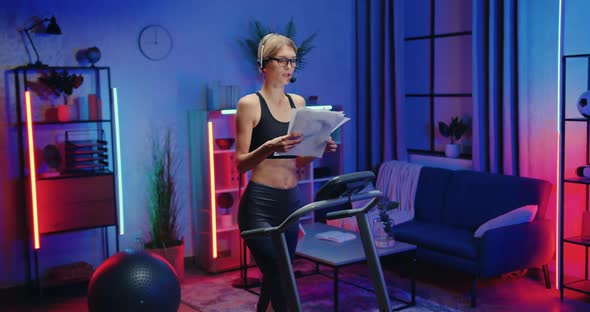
(495, 78)
(376, 90)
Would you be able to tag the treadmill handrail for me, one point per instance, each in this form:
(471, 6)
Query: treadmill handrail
(351, 212)
(294, 217)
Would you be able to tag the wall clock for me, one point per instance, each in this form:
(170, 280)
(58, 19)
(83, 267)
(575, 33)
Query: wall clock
(155, 42)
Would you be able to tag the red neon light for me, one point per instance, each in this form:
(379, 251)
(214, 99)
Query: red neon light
(557, 206)
(212, 189)
(32, 169)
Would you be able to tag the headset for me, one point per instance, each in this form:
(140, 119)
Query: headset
(261, 60)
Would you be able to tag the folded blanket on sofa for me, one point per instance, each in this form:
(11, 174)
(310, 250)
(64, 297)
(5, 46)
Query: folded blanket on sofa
(398, 181)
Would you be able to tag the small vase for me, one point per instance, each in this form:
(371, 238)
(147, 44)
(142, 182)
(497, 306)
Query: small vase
(224, 218)
(64, 112)
(50, 114)
(381, 237)
(452, 150)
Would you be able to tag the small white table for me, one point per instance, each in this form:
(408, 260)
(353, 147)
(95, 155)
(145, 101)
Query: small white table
(336, 255)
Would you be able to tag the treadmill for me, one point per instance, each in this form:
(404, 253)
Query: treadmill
(339, 191)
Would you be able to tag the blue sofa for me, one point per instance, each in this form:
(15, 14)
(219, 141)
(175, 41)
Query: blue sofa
(451, 205)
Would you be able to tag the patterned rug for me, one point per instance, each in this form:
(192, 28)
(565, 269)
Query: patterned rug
(214, 293)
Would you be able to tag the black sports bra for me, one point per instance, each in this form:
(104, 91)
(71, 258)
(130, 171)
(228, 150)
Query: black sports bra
(268, 127)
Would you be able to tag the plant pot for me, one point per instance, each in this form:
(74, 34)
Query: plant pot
(452, 150)
(64, 112)
(175, 257)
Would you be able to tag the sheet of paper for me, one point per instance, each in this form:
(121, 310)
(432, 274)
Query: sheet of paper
(315, 127)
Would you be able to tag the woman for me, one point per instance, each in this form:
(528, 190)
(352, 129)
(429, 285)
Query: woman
(262, 120)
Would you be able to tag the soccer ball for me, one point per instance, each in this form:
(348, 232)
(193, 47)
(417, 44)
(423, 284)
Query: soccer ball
(584, 104)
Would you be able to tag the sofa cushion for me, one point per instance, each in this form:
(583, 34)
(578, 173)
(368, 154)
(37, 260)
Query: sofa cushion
(476, 197)
(516, 216)
(442, 238)
(431, 194)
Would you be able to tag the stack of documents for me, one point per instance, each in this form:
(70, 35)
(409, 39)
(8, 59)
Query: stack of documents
(335, 236)
(315, 126)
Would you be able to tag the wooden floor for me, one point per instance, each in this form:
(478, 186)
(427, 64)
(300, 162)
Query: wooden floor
(519, 292)
(512, 292)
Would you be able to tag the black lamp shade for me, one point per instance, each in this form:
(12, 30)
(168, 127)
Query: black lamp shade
(53, 28)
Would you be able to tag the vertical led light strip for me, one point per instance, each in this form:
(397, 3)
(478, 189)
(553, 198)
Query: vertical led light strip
(559, 121)
(32, 169)
(212, 189)
(119, 163)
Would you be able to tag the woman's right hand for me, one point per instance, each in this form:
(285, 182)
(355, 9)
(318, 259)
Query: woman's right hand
(283, 143)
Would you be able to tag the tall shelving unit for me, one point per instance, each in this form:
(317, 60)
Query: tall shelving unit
(219, 235)
(220, 244)
(81, 194)
(573, 151)
(567, 176)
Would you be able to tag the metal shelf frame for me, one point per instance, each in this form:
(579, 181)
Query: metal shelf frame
(582, 286)
(21, 85)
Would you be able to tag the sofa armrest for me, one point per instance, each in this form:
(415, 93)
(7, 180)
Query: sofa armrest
(515, 247)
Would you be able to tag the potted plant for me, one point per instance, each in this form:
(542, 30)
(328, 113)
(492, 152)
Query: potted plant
(454, 131)
(260, 30)
(62, 84)
(164, 232)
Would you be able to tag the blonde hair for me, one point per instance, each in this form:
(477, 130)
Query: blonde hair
(270, 44)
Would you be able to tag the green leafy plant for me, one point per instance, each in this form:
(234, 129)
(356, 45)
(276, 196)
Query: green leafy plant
(260, 30)
(384, 206)
(454, 130)
(62, 83)
(162, 193)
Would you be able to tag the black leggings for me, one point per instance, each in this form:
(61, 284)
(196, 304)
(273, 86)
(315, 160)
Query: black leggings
(262, 206)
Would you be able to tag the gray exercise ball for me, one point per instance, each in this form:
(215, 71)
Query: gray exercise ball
(134, 281)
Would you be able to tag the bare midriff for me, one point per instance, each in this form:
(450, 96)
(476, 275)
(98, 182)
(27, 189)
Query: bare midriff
(277, 173)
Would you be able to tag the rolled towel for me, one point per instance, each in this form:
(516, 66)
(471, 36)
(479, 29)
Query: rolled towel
(583, 171)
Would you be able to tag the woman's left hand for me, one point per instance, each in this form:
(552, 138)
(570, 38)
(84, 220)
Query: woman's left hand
(331, 146)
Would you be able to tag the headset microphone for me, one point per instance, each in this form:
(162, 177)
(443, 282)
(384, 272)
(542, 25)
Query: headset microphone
(293, 79)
